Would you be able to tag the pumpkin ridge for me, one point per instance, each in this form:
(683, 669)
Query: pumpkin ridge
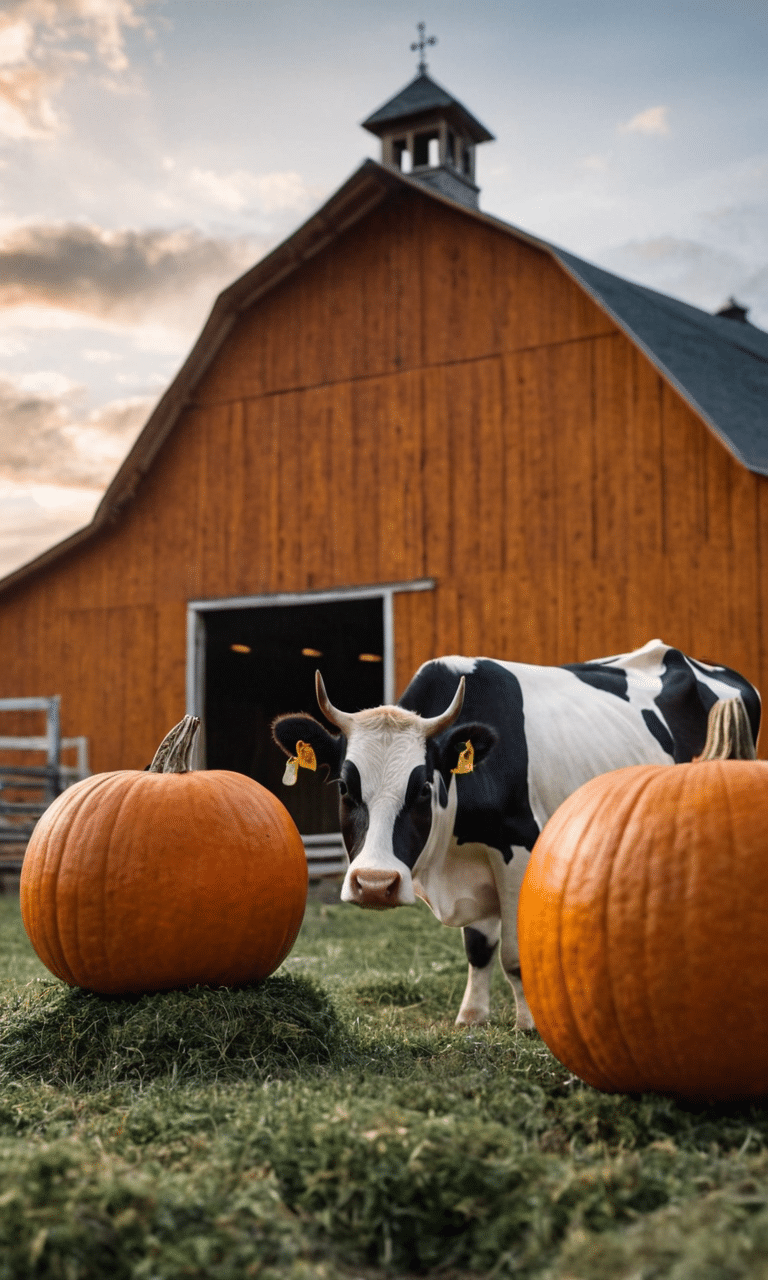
(225, 802)
(62, 836)
(74, 900)
(268, 816)
(584, 1050)
(46, 854)
(47, 922)
(125, 794)
(649, 1011)
(690, 877)
(640, 786)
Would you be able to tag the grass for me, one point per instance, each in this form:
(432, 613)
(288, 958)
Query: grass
(333, 1123)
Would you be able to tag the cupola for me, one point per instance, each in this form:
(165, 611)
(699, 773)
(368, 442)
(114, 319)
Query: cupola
(428, 134)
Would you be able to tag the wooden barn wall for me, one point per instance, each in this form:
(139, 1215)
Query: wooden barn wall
(428, 398)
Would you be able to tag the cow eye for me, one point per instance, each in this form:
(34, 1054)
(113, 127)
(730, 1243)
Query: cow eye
(426, 791)
(345, 793)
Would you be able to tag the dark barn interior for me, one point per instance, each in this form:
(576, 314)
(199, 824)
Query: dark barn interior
(261, 662)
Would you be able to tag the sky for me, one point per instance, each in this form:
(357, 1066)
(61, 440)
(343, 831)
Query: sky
(153, 150)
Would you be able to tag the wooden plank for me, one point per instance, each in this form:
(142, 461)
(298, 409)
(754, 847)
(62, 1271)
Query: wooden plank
(285, 488)
(612, 522)
(313, 429)
(400, 497)
(367, 422)
(492, 481)
(256, 452)
(439, 559)
(232, 488)
(538, 516)
(576, 485)
(344, 533)
(169, 683)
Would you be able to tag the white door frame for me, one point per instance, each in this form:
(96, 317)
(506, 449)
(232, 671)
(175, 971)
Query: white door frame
(381, 591)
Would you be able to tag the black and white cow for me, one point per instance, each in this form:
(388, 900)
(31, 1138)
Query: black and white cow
(414, 828)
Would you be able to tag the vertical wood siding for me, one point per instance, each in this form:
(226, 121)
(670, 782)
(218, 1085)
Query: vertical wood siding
(428, 397)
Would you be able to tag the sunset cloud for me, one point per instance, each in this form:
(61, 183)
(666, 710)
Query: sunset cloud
(651, 121)
(239, 189)
(33, 517)
(130, 277)
(48, 437)
(44, 42)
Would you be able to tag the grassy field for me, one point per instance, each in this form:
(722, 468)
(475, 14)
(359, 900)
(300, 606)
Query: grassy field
(334, 1123)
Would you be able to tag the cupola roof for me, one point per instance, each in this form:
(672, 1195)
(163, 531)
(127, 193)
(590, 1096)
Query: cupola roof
(423, 97)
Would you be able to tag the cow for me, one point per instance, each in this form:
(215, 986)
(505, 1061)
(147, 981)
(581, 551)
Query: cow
(415, 825)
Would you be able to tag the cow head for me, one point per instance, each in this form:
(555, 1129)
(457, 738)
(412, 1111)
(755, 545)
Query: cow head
(397, 789)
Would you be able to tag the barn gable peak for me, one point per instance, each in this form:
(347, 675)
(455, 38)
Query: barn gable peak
(427, 133)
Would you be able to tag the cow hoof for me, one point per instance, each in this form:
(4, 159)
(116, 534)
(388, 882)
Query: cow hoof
(471, 1017)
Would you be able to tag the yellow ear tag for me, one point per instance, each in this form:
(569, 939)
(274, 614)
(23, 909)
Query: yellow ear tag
(466, 760)
(306, 755)
(291, 772)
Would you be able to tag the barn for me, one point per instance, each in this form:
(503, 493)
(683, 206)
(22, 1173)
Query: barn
(411, 429)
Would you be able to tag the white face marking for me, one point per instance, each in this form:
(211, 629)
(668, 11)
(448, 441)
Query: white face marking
(385, 746)
(385, 754)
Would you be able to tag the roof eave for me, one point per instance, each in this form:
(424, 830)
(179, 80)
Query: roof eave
(458, 116)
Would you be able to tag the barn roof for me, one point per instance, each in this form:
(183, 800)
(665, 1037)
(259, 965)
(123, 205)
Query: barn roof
(718, 365)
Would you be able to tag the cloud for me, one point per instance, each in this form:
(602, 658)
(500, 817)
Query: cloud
(239, 190)
(26, 110)
(128, 277)
(96, 355)
(651, 121)
(47, 436)
(44, 42)
(33, 519)
(595, 163)
(694, 271)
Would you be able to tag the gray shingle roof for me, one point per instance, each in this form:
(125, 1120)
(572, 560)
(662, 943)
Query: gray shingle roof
(422, 96)
(720, 366)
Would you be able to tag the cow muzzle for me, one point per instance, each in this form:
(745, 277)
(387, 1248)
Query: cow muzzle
(377, 889)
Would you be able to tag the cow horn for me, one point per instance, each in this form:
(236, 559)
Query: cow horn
(341, 719)
(437, 723)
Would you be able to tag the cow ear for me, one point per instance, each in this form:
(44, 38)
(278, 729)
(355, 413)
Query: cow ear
(452, 743)
(328, 747)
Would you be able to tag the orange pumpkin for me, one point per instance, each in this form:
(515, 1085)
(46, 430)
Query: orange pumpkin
(643, 924)
(145, 881)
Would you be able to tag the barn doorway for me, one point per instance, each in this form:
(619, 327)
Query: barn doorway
(261, 661)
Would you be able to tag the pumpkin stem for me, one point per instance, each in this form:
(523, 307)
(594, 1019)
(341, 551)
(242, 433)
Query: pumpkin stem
(729, 736)
(174, 753)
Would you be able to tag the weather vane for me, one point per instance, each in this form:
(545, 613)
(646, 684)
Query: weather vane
(421, 45)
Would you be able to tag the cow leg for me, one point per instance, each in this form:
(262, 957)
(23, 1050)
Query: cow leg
(508, 881)
(480, 943)
(510, 965)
